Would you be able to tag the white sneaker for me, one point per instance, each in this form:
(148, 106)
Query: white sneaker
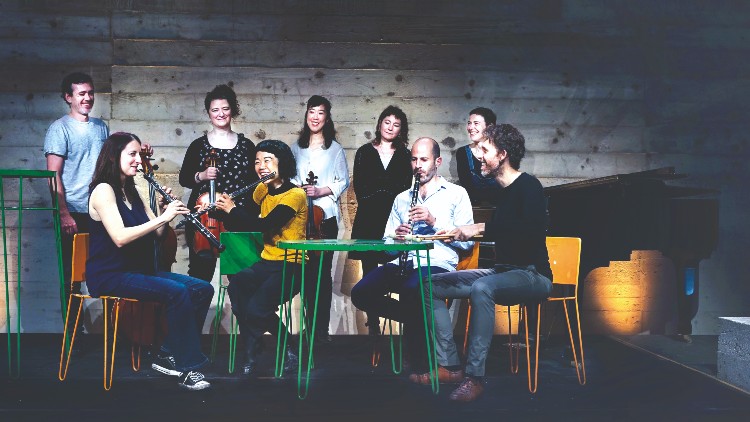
(194, 380)
(166, 365)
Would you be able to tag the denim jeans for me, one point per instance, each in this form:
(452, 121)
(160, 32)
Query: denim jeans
(369, 295)
(485, 288)
(187, 300)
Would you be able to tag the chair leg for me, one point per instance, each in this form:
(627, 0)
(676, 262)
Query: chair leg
(535, 384)
(135, 357)
(375, 360)
(110, 356)
(514, 346)
(62, 372)
(232, 343)
(466, 331)
(580, 368)
(217, 322)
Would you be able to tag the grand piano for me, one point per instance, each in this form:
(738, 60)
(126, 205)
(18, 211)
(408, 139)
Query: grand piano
(617, 214)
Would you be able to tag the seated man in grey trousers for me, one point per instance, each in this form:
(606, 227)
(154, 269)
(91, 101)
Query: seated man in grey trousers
(521, 273)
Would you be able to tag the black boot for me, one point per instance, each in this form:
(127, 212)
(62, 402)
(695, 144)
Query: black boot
(292, 360)
(252, 350)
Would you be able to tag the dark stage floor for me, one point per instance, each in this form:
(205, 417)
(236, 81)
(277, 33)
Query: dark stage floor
(624, 383)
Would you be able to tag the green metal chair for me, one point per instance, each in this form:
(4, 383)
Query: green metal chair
(242, 250)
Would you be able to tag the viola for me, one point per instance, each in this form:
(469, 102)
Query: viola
(314, 212)
(165, 252)
(201, 245)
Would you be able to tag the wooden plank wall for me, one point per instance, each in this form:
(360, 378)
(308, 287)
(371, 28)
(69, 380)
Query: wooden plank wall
(598, 88)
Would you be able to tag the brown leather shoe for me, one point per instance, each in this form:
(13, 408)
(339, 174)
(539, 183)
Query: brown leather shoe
(469, 390)
(445, 376)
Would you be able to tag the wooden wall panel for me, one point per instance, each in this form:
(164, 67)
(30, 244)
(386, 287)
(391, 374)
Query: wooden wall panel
(272, 108)
(374, 56)
(55, 52)
(54, 26)
(374, 82)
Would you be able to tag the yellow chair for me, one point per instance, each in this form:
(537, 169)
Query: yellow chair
(80, 255)
(565, 260)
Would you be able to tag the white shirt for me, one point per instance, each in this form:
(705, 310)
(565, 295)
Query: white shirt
(329, 165)
(450, 205)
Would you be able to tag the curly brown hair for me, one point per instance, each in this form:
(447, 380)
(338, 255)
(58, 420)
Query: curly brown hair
(509, 139)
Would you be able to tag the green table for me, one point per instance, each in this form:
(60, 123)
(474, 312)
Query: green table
(55, 208)
(305, 246)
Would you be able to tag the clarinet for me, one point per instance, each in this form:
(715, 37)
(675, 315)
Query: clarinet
(188, 217)
(238, 192)
(402, 258)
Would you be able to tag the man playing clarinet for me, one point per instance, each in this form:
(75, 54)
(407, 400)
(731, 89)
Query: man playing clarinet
(437, 206)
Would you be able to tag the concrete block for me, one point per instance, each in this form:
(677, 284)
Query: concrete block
(734, 351)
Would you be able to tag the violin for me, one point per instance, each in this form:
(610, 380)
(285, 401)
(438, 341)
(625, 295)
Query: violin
(314, 212)
(165, 252)
(201, 245)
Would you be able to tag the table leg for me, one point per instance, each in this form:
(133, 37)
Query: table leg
(309, 332)
(281, 344)
(429, 330)
(57, 226)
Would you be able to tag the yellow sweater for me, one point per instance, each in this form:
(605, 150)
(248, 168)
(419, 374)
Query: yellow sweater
(295, 199)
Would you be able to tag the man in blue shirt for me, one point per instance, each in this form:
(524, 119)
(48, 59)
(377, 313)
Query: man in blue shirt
(440, 206)
(72, 146)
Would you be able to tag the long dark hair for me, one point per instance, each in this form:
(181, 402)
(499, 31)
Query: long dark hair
(329, 131)
(403, 136)
(108, 165)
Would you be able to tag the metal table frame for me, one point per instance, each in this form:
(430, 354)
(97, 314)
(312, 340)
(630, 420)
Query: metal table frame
(55, 208)
(305, 246)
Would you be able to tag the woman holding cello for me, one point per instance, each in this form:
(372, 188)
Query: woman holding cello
(323, 173)
(219, 161)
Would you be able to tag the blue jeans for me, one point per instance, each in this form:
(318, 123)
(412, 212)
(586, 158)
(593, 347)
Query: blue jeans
(186, 298)
(369, 295)
(485, 288)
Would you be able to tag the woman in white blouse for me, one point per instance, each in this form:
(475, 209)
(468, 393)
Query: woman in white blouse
(317, 151)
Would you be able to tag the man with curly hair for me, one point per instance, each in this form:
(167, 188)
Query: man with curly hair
(521, 273)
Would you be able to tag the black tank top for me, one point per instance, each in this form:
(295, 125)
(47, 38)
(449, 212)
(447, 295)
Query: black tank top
(106, 258)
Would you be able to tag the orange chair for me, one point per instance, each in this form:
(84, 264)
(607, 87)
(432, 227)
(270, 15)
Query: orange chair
(565, 259)
(80, 255)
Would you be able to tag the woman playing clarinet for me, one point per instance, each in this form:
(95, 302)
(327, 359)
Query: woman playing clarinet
(233, 158)
(121, 260)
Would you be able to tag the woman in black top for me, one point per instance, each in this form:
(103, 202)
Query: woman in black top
(481, 189)
(235, 156)
(121, 259)
(382, 170)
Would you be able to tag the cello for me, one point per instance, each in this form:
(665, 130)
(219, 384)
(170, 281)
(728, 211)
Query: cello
(165, 252)
(201, 245)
